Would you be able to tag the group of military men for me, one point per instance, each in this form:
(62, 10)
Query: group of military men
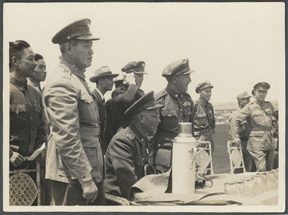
(96, 147)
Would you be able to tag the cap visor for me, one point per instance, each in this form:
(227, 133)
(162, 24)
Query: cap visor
(94, 78)
(155, 106)
(87, 38)
(188, 72)
(141, 72)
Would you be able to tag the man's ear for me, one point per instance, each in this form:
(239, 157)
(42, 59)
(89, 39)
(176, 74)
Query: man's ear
(174, 78)
(14, 60)
(141, 118)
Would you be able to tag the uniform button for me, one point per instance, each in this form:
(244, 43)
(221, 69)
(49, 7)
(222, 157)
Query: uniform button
(181, 110)
(142, 139)
(159, 145)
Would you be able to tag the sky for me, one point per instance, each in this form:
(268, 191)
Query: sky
(233, 45)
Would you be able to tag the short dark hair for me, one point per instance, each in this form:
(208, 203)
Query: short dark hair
(16, 48)
(38, 57)
(63, 46)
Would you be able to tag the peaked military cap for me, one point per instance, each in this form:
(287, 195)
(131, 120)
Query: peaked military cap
(102, 72)
(146, 102)
(79, 30)
(203, 85)
(179, 67)
(262, 84)
(134, 66)
(243, 95)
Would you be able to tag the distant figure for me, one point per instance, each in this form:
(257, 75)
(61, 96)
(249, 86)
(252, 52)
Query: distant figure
(259, 116)
(39, 73)
(113, 120)
(103, 78)
(204, 114)
(128, 150)
(244, 131)
(178, 107)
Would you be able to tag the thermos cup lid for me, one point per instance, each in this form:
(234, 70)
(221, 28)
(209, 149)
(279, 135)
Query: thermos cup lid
(185, 129)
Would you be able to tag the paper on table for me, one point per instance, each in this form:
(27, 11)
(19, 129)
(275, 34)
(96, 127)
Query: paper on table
(36, 153)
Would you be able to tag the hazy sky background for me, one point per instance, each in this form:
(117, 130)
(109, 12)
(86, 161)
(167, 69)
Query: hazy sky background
(234, 45)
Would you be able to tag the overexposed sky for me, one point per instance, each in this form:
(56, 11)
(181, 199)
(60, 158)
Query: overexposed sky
(234, 45)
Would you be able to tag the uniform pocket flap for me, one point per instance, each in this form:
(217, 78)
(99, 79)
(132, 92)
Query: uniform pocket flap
(168, 112)
(257, 133)
(85, 97)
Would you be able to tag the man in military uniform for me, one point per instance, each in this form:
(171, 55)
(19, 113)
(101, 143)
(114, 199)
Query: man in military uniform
(128, 152)
(74, 157)
(244, 130)
(204, 114)
(124, 98)
(39, 73)
(259, 116)
(112, 116)
(178, 107)
(103, 78)
(27, 126)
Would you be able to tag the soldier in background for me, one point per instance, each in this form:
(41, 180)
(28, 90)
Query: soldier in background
(128, 151)
(27, 120)
(103, 78)
(74, 161)
(27, 125)
(125, 97)
(259, 115)
(204, 119)
(178, 107)
(39, 73)
(112, 122)
(244, 131)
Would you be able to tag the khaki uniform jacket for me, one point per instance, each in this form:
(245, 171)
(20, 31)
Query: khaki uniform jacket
(125, 159)
(259, 117)
(73, 149)
(204, 118)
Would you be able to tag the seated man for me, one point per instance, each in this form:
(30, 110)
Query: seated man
(128, 151)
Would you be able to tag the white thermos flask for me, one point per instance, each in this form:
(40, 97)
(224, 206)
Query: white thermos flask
(183, 160)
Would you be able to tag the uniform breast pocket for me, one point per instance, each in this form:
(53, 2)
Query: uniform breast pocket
(169, 119)
(258, 116)
(86, 108)
(187, 111)
(18, 115)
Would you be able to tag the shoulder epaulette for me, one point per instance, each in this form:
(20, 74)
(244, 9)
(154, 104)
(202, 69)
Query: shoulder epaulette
(160, 94)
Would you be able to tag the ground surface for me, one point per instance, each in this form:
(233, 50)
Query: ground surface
(220, 156)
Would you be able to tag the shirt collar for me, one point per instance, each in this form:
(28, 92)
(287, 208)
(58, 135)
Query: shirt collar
(102, 96)
(74, 69)
(21, 85)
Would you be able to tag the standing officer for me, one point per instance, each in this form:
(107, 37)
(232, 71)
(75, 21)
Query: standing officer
(204, 114)
(127, 153)
(112, 122)
(39, 73)
(27, 126)
(124, 98)
(244, 130)
(259, 115)
(178, 107)
(103, 78)
(74, 157)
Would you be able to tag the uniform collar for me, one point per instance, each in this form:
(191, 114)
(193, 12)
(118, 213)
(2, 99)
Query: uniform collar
(203, 101)
(259, 103)
(19, 84)
(74, 69)
(140, 137)
(172, 93)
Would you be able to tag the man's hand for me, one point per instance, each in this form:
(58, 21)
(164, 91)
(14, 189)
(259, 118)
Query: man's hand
(129, 79)
(90, 190)
(16, 159)
(237, 141)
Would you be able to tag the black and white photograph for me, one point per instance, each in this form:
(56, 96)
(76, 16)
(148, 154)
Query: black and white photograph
(144, 107)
